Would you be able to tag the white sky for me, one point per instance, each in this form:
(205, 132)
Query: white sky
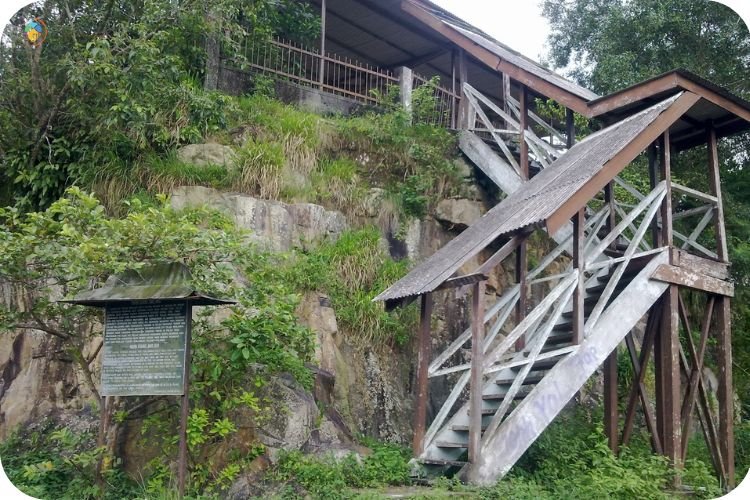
(516, 23)
(519, 23)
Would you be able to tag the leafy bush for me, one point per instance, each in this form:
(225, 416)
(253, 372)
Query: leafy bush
(330, 478)
(50, 462)
(353, 270)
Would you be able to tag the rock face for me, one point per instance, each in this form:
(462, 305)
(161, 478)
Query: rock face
(206, 154)
(458, 213)
(274, 225)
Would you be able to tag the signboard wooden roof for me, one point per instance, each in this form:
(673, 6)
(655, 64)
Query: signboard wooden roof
(164, 281)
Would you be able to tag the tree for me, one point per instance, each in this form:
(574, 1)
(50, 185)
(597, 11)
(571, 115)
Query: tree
(611, 44)
(118, 80)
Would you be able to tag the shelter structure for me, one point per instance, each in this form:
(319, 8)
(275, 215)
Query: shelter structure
(147, 335)
(628, 255)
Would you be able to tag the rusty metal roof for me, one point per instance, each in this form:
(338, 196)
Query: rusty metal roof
(164, 281)
(529, 207)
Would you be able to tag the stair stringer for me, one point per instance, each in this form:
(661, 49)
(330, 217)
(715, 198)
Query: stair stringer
(494, 167)
(514, 436)
(502, 174)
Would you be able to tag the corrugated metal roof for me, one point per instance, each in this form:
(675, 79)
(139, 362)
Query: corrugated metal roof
(154, 281)
(525, 63)
(531, 206)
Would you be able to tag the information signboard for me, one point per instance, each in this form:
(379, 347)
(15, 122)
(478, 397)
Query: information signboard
(144, 349)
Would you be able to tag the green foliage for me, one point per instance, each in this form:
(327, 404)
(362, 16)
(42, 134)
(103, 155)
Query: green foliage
(329, 478)
(612, 44)
(352, 271)
(412, 161)
(571, 459)
(118, 84)
(49, 462)
(73, 246)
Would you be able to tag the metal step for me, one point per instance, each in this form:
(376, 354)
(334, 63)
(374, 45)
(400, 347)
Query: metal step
(543, 364)
(451, 444)
(531, 379)
(449, 463)
(499, 397)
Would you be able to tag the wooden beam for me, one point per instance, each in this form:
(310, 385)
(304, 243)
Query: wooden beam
(707, 420)
(422, 385)
(463, 109)
(615, 165)
(524, 125)
(522, 269)
(715, 184)
(668, 404)
(579, 241)
(665, 172)
(708, 267)
(459, 281)
(501, 254)
(713, 97)
(689, 278)
(477, 372)
(726, 393)
(416, 60)
(570, 128)
(632, 95)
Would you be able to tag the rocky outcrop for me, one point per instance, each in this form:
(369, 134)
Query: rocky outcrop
(274, 225)
(206, 154)
(459, 213)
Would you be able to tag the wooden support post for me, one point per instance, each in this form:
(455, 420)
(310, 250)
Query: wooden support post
(609, 199)
(579, 239)
(454, 89)
(322, 72)
(522, 267)
(506, 97)
(611, 415)
(653, 180)
(570, 128)
(723, 324)
(405, 88)
(422, 386)
(668, 359)
(665, 171)
(182, 459)
(668, 343)
(726, 392)
(524, 123)
(464, 107)
(715, 182)
(477, 368)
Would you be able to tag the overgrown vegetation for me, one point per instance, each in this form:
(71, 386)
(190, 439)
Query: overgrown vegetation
(353, 270)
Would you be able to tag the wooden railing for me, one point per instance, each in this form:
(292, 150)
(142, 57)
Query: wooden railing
(365, 83)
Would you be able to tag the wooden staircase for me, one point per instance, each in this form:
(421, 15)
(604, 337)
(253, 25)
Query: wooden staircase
(523, 384)
(524, 388)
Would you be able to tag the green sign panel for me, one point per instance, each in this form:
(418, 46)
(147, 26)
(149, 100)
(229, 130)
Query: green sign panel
(144, 350)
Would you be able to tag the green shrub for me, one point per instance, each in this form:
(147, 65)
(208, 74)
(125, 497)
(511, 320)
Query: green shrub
(326, 477)
(353, 270)
(46, 461)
